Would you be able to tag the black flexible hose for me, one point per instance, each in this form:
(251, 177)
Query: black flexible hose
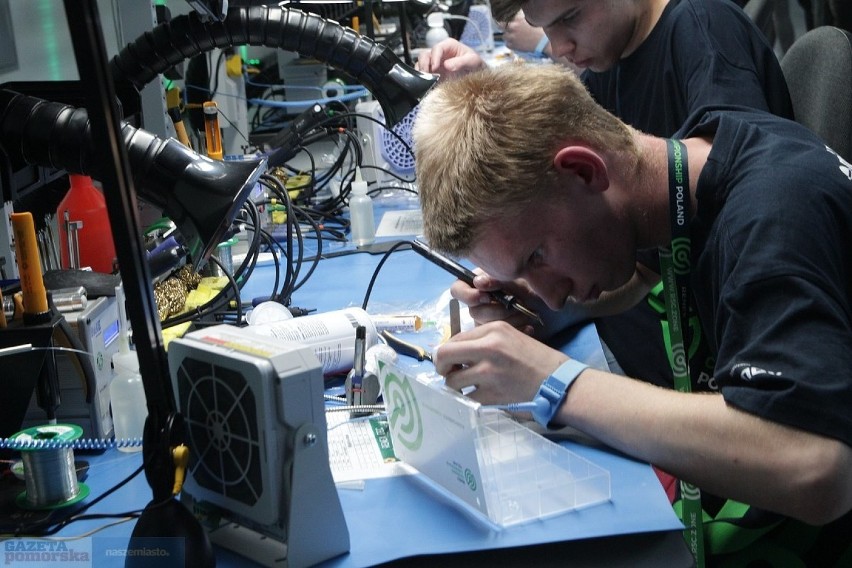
(166, 173)
(397, 86)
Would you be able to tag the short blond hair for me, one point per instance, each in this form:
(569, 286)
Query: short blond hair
(485, 144)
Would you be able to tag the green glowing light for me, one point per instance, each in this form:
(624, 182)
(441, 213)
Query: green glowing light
(52, 56)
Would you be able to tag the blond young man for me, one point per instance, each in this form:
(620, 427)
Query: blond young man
(552, 196)
(652, 63)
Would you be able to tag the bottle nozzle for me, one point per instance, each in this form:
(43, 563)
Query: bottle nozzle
(123, 333)
(359, 186)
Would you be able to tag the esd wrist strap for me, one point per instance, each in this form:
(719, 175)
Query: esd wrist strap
(553, 390)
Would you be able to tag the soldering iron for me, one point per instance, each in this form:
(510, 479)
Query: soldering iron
(466, 275)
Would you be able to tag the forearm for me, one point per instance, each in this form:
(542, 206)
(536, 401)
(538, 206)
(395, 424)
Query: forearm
(703, 440)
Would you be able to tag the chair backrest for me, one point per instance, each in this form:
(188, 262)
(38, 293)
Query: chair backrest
(818, 69)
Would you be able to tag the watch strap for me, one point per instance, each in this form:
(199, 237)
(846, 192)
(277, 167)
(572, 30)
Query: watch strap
(553, 390)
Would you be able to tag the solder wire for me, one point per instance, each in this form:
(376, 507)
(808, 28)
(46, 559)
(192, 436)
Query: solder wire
(50, 477)
(49, 473)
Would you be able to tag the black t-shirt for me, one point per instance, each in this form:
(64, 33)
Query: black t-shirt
(772, 269)
(772, 283)
(701, 52)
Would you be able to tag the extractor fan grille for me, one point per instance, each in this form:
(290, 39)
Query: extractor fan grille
(220, 411)
(393, 150)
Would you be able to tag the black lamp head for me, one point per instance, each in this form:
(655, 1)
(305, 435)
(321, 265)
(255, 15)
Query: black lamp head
(200, 195)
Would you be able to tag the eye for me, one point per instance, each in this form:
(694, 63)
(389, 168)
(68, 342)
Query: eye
(570, 17)
(536, 258)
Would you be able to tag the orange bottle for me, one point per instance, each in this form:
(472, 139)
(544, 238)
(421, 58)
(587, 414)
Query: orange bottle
(93, 240)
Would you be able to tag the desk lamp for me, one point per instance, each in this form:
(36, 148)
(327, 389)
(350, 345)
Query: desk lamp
(169, 175)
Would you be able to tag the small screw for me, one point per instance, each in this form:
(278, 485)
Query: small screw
(310, 439)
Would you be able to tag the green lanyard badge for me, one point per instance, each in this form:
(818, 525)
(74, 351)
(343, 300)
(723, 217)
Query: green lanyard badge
(675, 267)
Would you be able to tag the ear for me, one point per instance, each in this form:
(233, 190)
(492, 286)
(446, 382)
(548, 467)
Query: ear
(585, 164)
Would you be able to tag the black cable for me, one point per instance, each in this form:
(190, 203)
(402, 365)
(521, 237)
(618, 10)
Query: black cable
(385, 256)
(272, 244)
(215, 86)
(377, 190)
(274, 185)
(246, 268)
(235, 127)
(49, 527)
(391, 131)
(318, 255)
(234, 287)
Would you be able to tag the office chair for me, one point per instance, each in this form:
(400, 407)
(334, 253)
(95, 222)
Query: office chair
(818, 69)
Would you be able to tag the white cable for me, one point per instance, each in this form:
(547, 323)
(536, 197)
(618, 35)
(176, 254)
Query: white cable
(474, 24)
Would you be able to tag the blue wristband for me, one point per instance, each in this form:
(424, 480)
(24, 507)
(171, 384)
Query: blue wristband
(552, 391)
(542, 43)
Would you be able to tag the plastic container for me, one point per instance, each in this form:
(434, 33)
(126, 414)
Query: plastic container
(85, 203)
(481, 458)
(127, 398)
(361, 217)
(330, 334)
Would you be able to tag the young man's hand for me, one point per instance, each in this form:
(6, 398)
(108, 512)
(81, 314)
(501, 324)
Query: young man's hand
(450, 58)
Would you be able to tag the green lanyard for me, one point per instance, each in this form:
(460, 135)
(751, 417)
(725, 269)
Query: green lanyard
(675, 266)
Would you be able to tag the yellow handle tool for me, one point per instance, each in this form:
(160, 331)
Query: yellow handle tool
(29, 264)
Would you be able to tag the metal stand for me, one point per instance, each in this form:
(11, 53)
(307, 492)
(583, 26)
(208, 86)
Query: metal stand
(164, 517)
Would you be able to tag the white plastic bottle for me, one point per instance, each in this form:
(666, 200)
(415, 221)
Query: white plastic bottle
(361, 217)
(127, 398)
(126, 391)
(436, 32)
(330, 334)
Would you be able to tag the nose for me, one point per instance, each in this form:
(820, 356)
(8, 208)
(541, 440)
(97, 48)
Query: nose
(549, 290)
(561, 47)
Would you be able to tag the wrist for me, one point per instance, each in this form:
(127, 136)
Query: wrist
(553, 390)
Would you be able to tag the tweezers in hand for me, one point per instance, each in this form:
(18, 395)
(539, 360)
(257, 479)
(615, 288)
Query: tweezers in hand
(405, 348)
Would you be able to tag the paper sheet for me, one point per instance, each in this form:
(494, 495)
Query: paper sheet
(401, 223)
(360, 448)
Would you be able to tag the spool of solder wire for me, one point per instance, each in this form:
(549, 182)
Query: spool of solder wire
(48, 459)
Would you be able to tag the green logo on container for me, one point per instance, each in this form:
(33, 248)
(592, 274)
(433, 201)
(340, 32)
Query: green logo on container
(405, 419)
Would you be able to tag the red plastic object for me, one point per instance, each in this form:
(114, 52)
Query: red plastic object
(84, 202)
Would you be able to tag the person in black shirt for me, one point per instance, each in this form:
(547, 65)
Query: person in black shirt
(651, 63)
(767, 209)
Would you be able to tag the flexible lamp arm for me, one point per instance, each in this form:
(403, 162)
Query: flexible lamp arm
(396, 86)
(202, 196)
